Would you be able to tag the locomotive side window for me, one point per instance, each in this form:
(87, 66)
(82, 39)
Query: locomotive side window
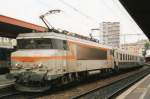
(59, 44)
(41, 43)
(91, 53)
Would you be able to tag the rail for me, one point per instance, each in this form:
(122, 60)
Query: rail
(10, 91)
(112, 89)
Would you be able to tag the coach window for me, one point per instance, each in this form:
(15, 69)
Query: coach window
(123, 56)
(135, 58)
(128, 57)
(120, 56)
(117, 55)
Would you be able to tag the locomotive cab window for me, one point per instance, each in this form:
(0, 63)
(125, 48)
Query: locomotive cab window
(42, 43)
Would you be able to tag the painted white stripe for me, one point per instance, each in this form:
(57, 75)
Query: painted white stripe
(145, 92)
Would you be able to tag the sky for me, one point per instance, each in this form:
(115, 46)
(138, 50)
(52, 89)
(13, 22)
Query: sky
(78, 16)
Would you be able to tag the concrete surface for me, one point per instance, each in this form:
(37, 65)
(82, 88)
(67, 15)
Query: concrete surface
(140, 90)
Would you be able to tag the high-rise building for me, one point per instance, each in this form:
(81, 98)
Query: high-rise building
(110, 33)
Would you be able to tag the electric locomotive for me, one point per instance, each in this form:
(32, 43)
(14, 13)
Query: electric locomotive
(43, 60)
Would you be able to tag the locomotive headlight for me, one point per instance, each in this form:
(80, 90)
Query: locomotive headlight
(40, 65)
(17, 65)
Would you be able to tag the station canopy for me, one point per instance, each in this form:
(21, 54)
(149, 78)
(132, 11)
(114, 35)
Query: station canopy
(140, 11)
(10, 27)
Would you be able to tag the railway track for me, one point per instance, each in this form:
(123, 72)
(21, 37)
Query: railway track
(10, 91)
(98, 89)
(109, 91)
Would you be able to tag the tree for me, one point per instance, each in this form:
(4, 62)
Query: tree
(146, 47)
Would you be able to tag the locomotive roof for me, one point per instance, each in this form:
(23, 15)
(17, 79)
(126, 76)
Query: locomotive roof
(70, 38)
(61, 36)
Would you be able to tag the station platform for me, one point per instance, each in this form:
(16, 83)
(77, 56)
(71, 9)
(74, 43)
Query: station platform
(5, 82)
(141, 90)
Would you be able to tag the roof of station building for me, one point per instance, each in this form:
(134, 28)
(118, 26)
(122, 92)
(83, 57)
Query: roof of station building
(11, 27)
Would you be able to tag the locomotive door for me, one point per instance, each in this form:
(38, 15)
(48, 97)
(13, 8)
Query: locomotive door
(60, 56)
(110, 59)
(65, 58)
(116, 58)
(71, 53)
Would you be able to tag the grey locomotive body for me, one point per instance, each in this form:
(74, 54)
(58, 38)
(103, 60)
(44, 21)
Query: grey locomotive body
(45, 59)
